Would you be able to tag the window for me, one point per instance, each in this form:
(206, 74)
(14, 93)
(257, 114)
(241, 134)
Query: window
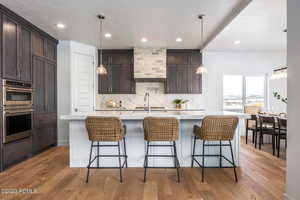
(233, 92)
(255, 90)
(239, 91)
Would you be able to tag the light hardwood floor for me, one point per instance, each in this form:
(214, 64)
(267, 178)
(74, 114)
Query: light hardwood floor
(261, 177)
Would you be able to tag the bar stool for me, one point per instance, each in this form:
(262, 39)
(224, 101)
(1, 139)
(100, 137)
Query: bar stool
(106, 129)
(215, 128)
(163, 130)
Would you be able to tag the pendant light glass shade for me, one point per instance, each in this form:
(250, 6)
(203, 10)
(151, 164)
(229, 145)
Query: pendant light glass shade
(201, 69)
(101, 69)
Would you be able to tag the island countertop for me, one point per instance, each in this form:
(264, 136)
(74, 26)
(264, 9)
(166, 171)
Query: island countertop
(141, 114)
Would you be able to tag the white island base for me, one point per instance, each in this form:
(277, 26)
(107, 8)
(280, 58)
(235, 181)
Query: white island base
(136, 146)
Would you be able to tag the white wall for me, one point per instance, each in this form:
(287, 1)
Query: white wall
(293, 161)
(248, 63)
(65, 66)
(63, 89)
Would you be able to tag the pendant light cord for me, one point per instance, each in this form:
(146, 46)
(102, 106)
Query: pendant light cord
(101, 21)
(202, 31)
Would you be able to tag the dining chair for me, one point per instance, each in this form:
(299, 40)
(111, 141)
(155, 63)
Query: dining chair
(252, 123)
(267, 127)
(282, 133)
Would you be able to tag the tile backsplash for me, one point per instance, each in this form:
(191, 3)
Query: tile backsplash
(150, 63)
(157, 97)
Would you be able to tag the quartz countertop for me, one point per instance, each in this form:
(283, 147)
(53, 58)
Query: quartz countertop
(141, 114)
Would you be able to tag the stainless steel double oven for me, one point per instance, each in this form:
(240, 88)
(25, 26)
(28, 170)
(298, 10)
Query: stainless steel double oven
(17, 104)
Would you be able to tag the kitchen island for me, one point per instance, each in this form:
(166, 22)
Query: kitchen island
(80, 145)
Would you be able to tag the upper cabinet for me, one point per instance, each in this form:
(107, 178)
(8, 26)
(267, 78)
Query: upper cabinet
(25, 69)
(20, 41)
(119, 77)
(10, 48)
(181, 72)
(16, 50)
(41, 46)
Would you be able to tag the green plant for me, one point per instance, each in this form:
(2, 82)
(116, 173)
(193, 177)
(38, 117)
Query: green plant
(179, 101)
(279, 97)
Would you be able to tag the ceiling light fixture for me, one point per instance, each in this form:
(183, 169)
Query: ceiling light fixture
(201, 69)
(60, 25)
(237, 42)
(280, 73)
(144, 39)
(107, 35)
(179, 39)
(101, 69)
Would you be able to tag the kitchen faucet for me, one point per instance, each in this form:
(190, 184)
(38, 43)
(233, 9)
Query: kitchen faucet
(147, 101)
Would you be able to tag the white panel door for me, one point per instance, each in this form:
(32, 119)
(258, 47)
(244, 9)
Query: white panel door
(83, 83)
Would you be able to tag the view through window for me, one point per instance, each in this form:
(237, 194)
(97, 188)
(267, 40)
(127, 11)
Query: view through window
(241, 90)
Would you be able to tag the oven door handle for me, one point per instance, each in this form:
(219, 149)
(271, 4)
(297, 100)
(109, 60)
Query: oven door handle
(11, 113)
(9, 89)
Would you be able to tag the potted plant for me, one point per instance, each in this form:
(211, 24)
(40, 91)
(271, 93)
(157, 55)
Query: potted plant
(279, 97)
(179, 102)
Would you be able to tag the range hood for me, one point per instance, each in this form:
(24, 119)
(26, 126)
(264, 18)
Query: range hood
(150, 64)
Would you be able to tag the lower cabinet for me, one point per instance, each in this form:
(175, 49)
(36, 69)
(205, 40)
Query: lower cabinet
(45, 131)
(16, 151)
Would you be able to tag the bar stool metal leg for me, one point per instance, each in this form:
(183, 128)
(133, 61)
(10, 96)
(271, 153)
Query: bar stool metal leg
(124, 142)
(203, 152)
(192, 165)
(177, 165)
(88, 172)
(146, 162)
(119, 153)
(98, 153)
(234, 166)
(220, 161)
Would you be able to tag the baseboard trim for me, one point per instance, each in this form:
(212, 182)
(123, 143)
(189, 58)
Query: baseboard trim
(63, 143)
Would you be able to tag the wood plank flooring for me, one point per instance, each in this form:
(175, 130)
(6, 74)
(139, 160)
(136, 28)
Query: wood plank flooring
(261, 177)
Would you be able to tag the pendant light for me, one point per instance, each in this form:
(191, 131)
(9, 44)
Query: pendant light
(201, 69)
(101, 69)
(280, 73)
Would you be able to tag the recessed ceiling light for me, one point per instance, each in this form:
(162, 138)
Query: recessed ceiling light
(178, 39)
(144, 39)
(60, 25)
(237, 42)
(107, 35)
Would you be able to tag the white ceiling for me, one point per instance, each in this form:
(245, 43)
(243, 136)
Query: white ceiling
(259, 27)
(161, 21)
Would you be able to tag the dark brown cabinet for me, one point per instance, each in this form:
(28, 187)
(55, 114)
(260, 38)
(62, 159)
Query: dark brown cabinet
(38, 44)
(181, 72)
(119, 79)
(28, 54)
(16, 50)
(44, 80)
(25, 70)
(10, 48)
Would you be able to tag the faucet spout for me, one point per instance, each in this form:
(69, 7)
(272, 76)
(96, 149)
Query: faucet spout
(147, 101)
